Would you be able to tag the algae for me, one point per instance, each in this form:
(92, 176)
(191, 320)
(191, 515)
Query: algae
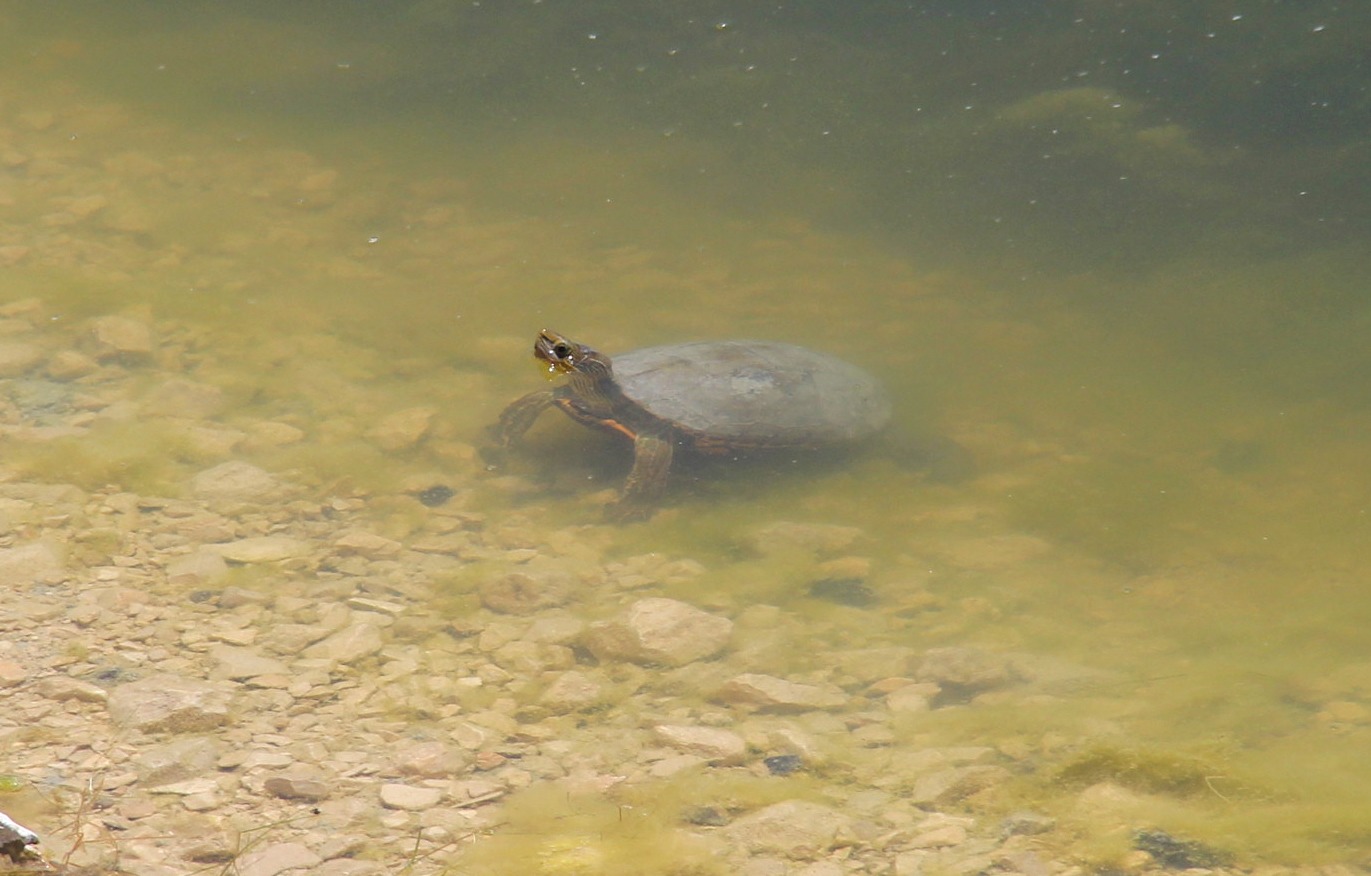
(551, 831)
(1141, 770)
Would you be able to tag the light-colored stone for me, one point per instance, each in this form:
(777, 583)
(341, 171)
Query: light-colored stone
(240, 663)
(409, 797)
(64, 688)
(778, 694)
(555, 629)
(572, 690)
(201, 567)
(907, 700)
(431, 760)
(379, 606)
(34, 563)
(235, 597)
(70, 364)
(347, 867)
(208, 442)
(348, 644)
(234, 479)
(791, 827)
(18, 357)
(910, 863)
(169, 703)
(402, 429)
(188, 787)
(270, 433)
(945, 835)
(120, 336)
(661, 631)
(367, 544)
(947, 786)
(793, 740)
(180, 397)
(13, 673)
(275, 859)
(290, 787)
(527, 591)
(180, 759)
(712, 743)
(965, 669)
(261, 549)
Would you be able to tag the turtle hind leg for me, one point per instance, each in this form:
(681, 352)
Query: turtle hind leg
(651, 465)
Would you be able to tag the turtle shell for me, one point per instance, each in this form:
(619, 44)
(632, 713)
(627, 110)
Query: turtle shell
(746, 393)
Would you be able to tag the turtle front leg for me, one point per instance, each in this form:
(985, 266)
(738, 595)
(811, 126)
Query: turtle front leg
(514, 421)
(647, 480)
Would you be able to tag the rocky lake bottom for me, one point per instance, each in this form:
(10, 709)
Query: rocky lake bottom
(253, 671)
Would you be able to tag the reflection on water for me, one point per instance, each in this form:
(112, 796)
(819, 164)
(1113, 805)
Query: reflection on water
(1109, 252)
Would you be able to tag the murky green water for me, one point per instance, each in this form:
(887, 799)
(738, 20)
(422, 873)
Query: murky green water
(1118, 254)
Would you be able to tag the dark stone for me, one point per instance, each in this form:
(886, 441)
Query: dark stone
(109, 676)
(1176, 853)
(783, 764)
(706, 816)
(843, 591)
(435, 495)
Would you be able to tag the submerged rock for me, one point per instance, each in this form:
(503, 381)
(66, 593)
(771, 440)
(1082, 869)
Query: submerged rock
(120, 336)
(170, 704)
(778, 694)
(234, 480)
(658, 630)
(792, 827)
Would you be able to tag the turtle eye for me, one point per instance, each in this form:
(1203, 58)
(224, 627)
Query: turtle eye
(562, 350)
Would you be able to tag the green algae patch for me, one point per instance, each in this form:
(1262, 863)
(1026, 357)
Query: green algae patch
(1140, 770)
(144, 457)
(550, 831)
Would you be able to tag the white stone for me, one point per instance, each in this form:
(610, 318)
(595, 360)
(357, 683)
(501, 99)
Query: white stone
(367, 544)
(234, 479)
(348, 644)
(907, 700)
(572, 690)
(402, 429)
(663, 631)
(180, 397)
(63, 688)
(169, 703)
(121, 335)
(240, 663)
(712, 743)
(408, 797)
(790, 827)
(201, 567)
(17, 357)
(778, 694)
(261, 549)
(29, 564)
(270, 433)
(275, 859)
(70, 364)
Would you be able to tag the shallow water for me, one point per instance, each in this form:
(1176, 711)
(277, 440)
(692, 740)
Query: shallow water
(1116, 255)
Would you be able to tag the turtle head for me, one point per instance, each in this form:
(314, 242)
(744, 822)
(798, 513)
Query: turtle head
(564, 356)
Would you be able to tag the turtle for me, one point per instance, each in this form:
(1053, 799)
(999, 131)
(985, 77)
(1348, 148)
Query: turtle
(706, 397)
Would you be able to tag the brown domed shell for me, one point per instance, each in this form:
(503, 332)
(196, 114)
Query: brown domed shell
(754, 393)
